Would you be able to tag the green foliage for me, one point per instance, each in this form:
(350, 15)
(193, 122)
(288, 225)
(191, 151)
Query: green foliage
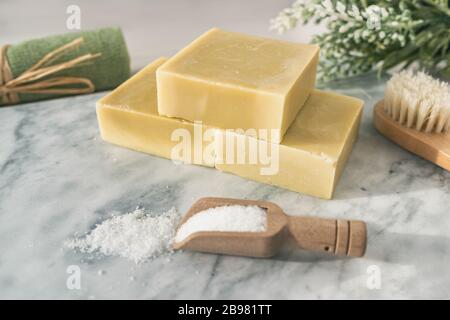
(364, 35)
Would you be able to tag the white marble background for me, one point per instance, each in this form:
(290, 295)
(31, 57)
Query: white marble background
(58, 178)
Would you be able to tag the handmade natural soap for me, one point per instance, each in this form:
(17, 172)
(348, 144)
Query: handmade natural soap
(128, 117)
(230, 80)
(312, 155)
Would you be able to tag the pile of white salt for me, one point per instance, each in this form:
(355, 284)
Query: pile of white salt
(136, 236)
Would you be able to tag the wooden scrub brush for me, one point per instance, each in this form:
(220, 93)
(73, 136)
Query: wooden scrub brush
(415, 114)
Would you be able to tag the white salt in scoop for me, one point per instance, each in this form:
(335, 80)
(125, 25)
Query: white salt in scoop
(236, 218)
(220, 225)
(258, 228)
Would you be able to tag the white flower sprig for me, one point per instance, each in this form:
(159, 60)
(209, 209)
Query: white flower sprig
(361, 34)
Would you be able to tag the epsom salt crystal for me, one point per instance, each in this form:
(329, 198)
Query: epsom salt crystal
(234, 218)
(136, 236)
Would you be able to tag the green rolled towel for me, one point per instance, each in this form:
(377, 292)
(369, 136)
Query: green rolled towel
(106, 71)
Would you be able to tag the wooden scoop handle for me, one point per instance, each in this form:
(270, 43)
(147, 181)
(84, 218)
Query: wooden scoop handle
(341, 237)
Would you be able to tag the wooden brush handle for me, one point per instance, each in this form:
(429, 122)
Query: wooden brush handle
(434, 147)
(341, 237)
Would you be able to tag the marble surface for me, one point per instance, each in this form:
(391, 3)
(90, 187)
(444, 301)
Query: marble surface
(58, 178)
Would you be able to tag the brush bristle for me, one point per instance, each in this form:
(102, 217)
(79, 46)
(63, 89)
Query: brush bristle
(418, 101)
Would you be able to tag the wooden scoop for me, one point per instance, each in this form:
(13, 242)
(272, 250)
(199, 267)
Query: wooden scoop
(341, 237)
(434, 147)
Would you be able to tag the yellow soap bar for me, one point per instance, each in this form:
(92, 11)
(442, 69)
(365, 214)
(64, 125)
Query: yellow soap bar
(312, 155)
(128, 117)
(309, 160)
(230, 80)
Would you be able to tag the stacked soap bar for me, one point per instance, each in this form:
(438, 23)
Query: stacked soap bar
(313, 152)
(128, 117)
(208, 104)
(234, 81)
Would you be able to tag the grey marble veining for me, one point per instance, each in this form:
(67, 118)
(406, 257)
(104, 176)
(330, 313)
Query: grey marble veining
(58, 178)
